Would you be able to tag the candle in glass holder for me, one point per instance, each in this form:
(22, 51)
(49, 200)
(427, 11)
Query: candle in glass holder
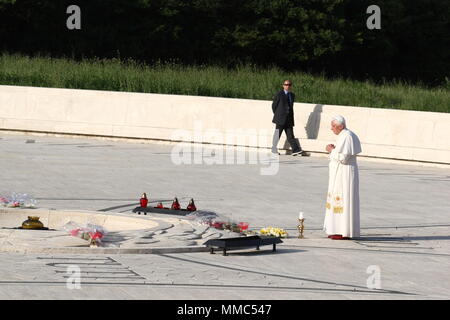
(191, 206)
(143, 201)
(175, 204)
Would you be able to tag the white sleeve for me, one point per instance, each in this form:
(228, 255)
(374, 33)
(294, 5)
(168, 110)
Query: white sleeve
(339, 157)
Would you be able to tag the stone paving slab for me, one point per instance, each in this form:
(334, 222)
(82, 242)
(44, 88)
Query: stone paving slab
(309, 268)
(405, 219)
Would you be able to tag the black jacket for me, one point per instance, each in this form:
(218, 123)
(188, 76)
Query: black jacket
(283, 111)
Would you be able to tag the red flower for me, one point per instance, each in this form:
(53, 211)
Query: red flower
(74, 232)
(96, 235)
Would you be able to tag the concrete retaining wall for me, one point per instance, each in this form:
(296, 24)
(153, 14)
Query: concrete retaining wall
(384, 133)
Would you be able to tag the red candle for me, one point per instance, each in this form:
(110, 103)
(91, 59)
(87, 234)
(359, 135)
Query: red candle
(191, 206)
(175, 205)
(144, 201)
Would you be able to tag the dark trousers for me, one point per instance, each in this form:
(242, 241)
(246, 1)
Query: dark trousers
(295, 146)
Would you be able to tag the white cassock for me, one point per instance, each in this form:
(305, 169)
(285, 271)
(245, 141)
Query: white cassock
(342, 208)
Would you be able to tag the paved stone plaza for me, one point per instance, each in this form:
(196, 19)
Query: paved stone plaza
(405, 221)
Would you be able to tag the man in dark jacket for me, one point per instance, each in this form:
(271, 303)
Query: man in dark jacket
(283, 117)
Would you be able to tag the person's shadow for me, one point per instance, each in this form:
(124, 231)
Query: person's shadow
(313, 124)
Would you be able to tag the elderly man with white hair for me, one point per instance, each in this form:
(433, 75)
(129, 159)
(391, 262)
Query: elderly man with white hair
(342, 208)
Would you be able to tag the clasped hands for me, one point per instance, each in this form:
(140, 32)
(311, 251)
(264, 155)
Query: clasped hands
(330, 147)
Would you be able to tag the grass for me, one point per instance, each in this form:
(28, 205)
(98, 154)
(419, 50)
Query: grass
(245, 82)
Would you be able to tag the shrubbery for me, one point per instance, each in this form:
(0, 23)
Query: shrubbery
(327, 36)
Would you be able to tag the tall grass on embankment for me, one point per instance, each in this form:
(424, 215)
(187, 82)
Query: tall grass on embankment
(245, 82)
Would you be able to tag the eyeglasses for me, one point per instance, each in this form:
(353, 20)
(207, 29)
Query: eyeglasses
(287, 84)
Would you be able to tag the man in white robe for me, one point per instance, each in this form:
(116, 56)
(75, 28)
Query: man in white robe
(342, 208)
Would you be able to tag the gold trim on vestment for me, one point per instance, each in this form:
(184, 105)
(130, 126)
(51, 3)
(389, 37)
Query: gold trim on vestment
(338, 210)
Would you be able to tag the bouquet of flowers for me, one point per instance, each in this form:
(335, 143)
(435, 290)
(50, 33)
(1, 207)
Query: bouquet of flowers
(212, 220)
(90, 232)
(240, 227)
(17, 200)
(276, 232)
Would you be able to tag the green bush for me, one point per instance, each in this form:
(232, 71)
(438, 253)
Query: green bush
(244, 81)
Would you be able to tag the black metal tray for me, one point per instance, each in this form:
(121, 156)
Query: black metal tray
(242, 243)
(181, 212)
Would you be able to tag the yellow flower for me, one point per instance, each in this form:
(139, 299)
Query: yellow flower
(277, 232)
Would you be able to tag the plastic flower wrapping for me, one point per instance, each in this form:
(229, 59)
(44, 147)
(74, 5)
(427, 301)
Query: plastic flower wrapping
(17, 200)
(90, 232)
(212, 220)
(271, 231)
